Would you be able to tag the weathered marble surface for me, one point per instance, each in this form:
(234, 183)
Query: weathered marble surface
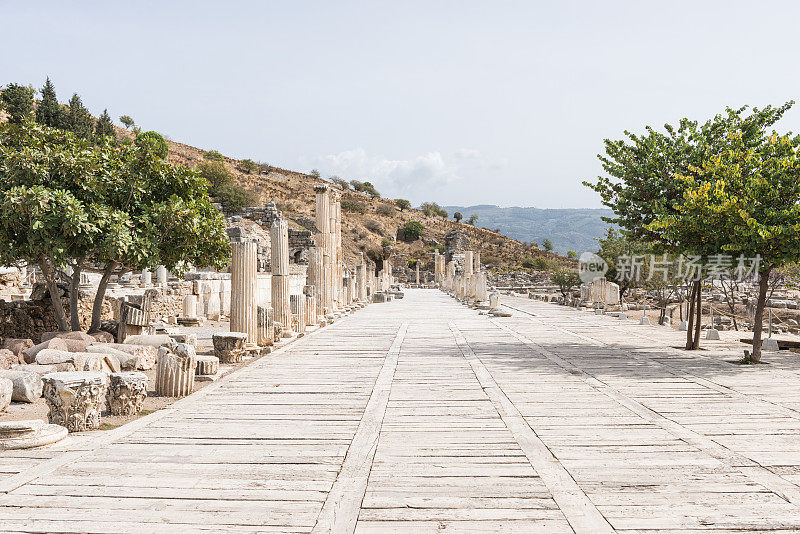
(126, 393)
(75, 398)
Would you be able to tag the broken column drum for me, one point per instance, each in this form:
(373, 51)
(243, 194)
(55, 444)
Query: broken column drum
(75, 399)
(297, 305)
(126, 393)
(161, 275)
(279, 237)
(265, 334)
(243, 289)
(175, 370)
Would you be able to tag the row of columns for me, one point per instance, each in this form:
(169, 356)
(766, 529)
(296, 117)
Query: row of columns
(469, 283)
(330, 288)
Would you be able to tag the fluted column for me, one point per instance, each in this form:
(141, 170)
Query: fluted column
(417, 273)
(476, 261)
(323, 241)
(243, 290)
(436, 277)
(310, 293)
(279, 241)
(298, 308)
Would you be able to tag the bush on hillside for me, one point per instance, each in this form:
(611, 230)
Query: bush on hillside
(432, 209)
(155, 140)
(412, 230)
(247, 166)
(353, 206)
(385, 210)
(223, 188)
(537, 264)
(374, 226)
(402, 203)
(213, 155)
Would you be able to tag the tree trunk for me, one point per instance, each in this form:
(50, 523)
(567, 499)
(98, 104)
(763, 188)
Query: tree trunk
(690, 317)
(758, 320)
(698, 317)
(74, 316)
(97, 305)
(662, 316)
(52, 287)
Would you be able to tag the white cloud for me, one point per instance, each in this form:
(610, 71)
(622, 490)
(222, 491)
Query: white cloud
(416, 177)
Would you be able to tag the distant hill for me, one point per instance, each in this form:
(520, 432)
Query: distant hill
(567, 229)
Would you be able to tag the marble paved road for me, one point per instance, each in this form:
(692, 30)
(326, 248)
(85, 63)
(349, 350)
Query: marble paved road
(420, 415)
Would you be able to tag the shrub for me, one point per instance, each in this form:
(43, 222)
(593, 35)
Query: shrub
(565, 280)
(457, 216)
(472, 219)
(547, 245)
(412, 230)
(213, 155)
(155, 140)
(223, 187)
(353, 206)
(385, 210)
(432, 209)
(365, 187)
(572, 254)
(402, 203)
(247, 166)
(537, 264)
(314, 173)
(386, 242)
(344, 184)
(127, 121)
(374, 227)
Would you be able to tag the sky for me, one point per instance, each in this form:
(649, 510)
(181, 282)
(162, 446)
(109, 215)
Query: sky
(457, 102)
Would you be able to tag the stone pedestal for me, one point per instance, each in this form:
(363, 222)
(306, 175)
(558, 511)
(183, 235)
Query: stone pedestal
(75, 399)
(230, 346)
(146, 278)
(26, 385)
(126, 393)
(243, 290)
(175, 370)
(494, 301)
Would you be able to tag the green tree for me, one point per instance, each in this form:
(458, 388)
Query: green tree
(78, 119)
(223, 186)
(369, 189)
(457, 216)
(402, 203)
(641, 185)
(213, 155)
(747, 199)
(104, 126)
(547, 245)
(17, 101)
(127, 121)
(247, 166)
(48, 112)
(67, 202)
(341, 182)
(472, 219)
(159, 144)
(432, 209)
(572, 254)
(566, 280)
(353, 206)
(412, 230)
(314, 173)
(614, 248)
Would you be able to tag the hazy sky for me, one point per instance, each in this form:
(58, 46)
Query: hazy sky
(458, 102)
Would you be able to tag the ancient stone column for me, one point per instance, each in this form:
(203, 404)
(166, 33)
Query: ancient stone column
(468, 262)
(323, 241)
(314, 273)
(352, 296)
(436, 259)
(175, 370)
(476, 258)
(481, 291)
(335, 250)
(147, 278)
(361, 282)
(266, 337)
(417, 272)
(161, 275)
(279, 238)
(126, 393)
(243, 289)
(311, 305)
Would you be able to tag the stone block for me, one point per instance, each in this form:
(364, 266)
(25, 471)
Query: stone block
(229, 346)
(30, 354)
(27, 385)
(207, 365)
(82, 336)
(126, 393)
(17, 346)
(127, 361)
(156, 340)
(7, 359)
(6, 391)
(75, 399)
(146, 353)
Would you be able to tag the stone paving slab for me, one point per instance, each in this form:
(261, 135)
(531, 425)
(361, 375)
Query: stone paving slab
(420, 415)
